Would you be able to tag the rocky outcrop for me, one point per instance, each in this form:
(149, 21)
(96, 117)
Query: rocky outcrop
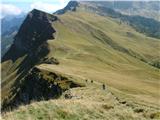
(51, 60)
(28, 49)
(35, 29)
(34, 32)
(40, 85)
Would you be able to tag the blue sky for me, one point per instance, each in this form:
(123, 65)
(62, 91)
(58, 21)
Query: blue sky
(16, 7)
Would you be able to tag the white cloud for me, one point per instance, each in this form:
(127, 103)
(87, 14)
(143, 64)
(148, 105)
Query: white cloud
(9, 9)
(63, 1)
(46, 6)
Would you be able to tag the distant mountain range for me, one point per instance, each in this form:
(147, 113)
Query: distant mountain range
(149, 9)
(10, 26)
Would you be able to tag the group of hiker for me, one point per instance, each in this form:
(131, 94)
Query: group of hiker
(103, 85)
(69, 96)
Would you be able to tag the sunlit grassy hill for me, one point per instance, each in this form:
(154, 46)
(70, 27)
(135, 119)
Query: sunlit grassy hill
(101, 49)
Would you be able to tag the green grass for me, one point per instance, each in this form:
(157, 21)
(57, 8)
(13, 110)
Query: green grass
(85, 107)
(81, 54)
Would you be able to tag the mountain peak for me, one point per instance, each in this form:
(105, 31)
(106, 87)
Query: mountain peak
(37, 13)
(36, 28)
(71, 6)
(34, 32)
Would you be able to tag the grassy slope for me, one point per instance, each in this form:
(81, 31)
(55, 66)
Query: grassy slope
(83, 106)
(9, 76)
(82, 55)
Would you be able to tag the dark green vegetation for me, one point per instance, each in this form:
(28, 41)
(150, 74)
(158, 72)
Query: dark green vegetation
(79, 43)
(148, 26)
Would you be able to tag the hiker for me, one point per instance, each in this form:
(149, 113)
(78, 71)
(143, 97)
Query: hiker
(103, 86)
(91, 81)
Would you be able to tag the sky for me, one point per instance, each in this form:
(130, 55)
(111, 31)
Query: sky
(17, 7)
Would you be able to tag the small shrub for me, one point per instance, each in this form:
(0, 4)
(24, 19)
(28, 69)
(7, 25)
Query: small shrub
(107, 107)
(155, 115)
(51, 61)
(138, 110)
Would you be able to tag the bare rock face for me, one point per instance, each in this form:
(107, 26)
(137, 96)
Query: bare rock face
(35, 29)
(29, 48)
(32, 36)
(40, 85)
(36, 87)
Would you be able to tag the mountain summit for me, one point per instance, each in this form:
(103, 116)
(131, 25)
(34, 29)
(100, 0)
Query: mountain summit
(31, 37)
(71, 6)
(35, 30)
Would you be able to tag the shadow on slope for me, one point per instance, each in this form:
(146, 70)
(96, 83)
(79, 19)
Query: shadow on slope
(39, 85)
(30, 43)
